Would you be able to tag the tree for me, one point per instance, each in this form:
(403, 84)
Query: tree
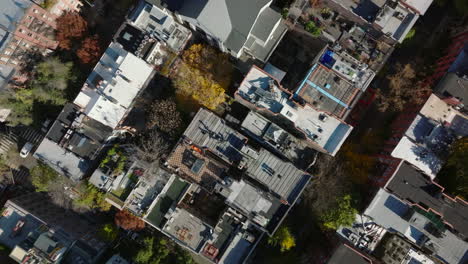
(108, 232)
(70, 27)
(146, 252)
(90, 50)
(312, 28)
(92, 197)
(152, 146)
(282, 238)
(342, 215)
(203, 75)
(454, 174)
(20, 102)
(128, 221)
(51, 80)
(42, 176)
(403, 88)
(164, 115)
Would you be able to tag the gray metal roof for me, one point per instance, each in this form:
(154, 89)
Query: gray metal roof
(265, 23)
(279, 176)
(207, 130)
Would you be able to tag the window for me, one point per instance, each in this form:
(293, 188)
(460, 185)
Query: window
(20, 30)
(14, 62)
(7, 52)
(4, 59)
(35, 11)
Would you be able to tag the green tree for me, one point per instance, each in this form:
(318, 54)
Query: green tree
(313, 29)
(109, 232)
(92, 197)
(282, 238)
(51, 80)
(42, 176)
(454, 174)
(341, 215)
(145, 254)
(20, 102)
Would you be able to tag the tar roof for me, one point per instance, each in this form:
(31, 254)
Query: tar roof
(345, 254)
(409, 184)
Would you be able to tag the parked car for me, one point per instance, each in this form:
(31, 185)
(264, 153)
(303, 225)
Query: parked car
(26, 149)
(45, 125)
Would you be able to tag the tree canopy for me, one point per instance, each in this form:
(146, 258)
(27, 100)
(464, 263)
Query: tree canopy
(164, 115)
(90, 50)
(203, 75)
(42, 176)
(70, 27)
(108, 232)
(92, 197)
(128, 221)
(454, 174)
(403, 88)
(342, 215)
(158, 250)
(282, 238)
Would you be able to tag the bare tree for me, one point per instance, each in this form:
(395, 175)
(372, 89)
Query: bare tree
(164, 115)
(152, 146)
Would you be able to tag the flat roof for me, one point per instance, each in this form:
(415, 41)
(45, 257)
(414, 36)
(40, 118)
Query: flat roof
(188, 229)
(456, 86)
(171, 194)
(207, 130)
(262, 91)
(113, 85)
(388, 211)
(62, 160)
(411, 185)
(345, 254)
(396, 21)
(421, 6)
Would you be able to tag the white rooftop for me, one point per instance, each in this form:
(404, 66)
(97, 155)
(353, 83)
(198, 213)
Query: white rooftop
(396, 22)
(326, 131)
(113, 85)
(420, 5)
(437, 109)
(418, 156)
(388, 211)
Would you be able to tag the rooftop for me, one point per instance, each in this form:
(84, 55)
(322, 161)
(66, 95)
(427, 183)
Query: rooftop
(110, 89)
(346, 254)
(396, 20)
(411, 185)
(167, 199)
(159, 25)
(277, 139)
(252, 202)
(191, 163)
(396, 249)
(420, 6)
(187, 229)
(393, 214)
(426, 142)
(204, 205)
(334, 82)
(455, 87)
(262, 91)
(208, 131)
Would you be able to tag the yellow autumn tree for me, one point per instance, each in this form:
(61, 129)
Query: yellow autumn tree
(203, 75)
(282, 238)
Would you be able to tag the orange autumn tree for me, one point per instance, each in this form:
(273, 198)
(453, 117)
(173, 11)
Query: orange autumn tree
(70, 26)
(90, 50)
(128, 221)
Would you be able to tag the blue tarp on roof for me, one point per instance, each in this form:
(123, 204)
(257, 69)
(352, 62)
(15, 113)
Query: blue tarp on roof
(327, 59)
